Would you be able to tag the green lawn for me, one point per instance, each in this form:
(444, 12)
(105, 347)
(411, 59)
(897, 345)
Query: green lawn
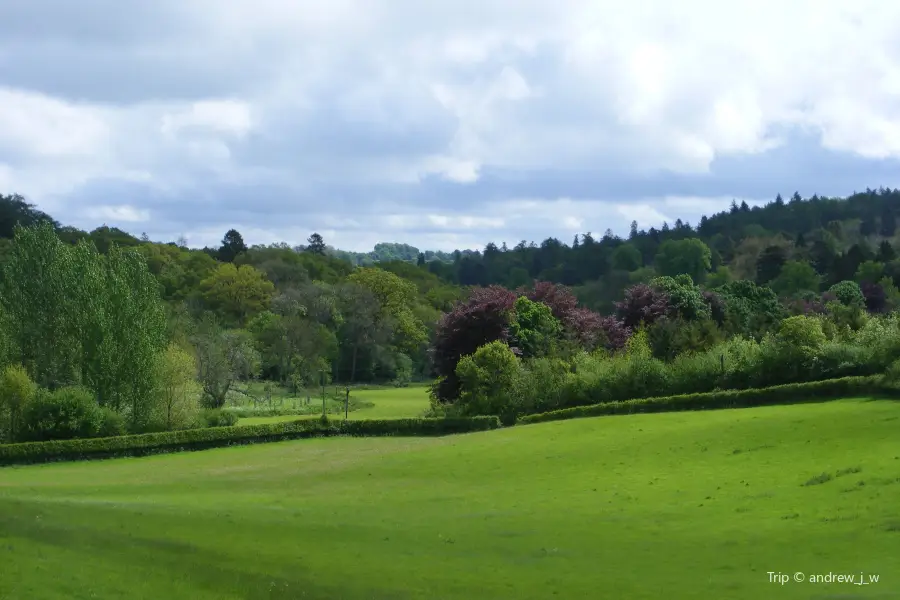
(696, 505)
(389, 403)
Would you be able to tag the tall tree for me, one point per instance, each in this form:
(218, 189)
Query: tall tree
(888, 222)
(315, 244)
(689, 256)
(769, 264)
(232, 246)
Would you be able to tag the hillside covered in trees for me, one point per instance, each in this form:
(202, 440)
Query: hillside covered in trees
(496, 327)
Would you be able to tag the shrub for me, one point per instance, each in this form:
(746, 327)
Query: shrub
(403, 371)
(216, 417)
(542, 385)
(16, 392)
(489, 381)
(848, 293)
(198, 439)
(111, 423)
(782, 394)
(69, 412)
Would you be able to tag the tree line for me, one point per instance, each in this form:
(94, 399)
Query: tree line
(195, 323)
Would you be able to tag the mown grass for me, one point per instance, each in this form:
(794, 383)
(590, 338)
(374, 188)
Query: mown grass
(387, 403)
(675, 505)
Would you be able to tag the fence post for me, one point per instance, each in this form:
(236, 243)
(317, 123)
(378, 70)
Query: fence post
(347, 404)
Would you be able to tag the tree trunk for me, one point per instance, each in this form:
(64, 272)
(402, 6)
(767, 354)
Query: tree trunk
(353, 364)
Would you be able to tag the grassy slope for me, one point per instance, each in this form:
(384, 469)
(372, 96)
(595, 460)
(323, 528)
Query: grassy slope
(678, 505)
(389, 403)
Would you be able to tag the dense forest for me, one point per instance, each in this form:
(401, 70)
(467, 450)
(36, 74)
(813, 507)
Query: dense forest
(125, 321)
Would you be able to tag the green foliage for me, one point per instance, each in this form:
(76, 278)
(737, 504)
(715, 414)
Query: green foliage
(489, 380)
(89, 319)
(199, 439)
(627, 258)
(124, 325)
(66, 413)
(397, 298)
(404, 371)
(112, 423)
(796, 276)
(782, 394)
(533, 328)
(688, 256)
(848, 293)
(215, 417)
(751, 310)
(39, 311)
(719, 277)
(870, 271)
(801, 332)
(175, 376)
(669, 338)
(16, 392)
(223, 357)
(685, 297)
(237, 292)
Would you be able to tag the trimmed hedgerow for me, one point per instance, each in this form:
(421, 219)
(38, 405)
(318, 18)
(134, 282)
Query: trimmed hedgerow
(779, 394)
(199, 439)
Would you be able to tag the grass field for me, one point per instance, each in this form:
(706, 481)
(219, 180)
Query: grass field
(698, 505)
(388, 403)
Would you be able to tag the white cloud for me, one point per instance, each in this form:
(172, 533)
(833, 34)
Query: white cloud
(406, 100)
(122, 213)
(645, 215)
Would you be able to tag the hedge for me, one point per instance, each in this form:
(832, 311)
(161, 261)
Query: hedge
(213, 437)
(779, 394)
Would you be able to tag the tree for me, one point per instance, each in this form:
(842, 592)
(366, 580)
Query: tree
(315, 244)
(869, 272)
(867, 226)
(488, 380)
(236, 293)
(685, 299)
(796, 276)
(482, 319)
(232, 246)
(642, 305)
(396, 299)
(689, 256)
(720, 276)
(223, 357)
(770, 263)
(848, 293)
(38, 310)
(176, 370)
(626, 258)
(802, 333)
(15, 211)
(886, 252)
(750, 309)
(888, 222)
(365, 328)
(533, 328)
(123, 325)
(16, 392)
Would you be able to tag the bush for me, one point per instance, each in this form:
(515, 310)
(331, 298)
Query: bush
(782, 394)
(542, 384)
(198, 439)
(16, 392)
(489, 381)
(69, 412)
(111, 423)
(216, 417)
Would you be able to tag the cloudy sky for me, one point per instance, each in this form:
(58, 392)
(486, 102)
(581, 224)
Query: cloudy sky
(443, 124)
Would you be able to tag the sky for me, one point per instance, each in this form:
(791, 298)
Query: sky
(441, 124)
